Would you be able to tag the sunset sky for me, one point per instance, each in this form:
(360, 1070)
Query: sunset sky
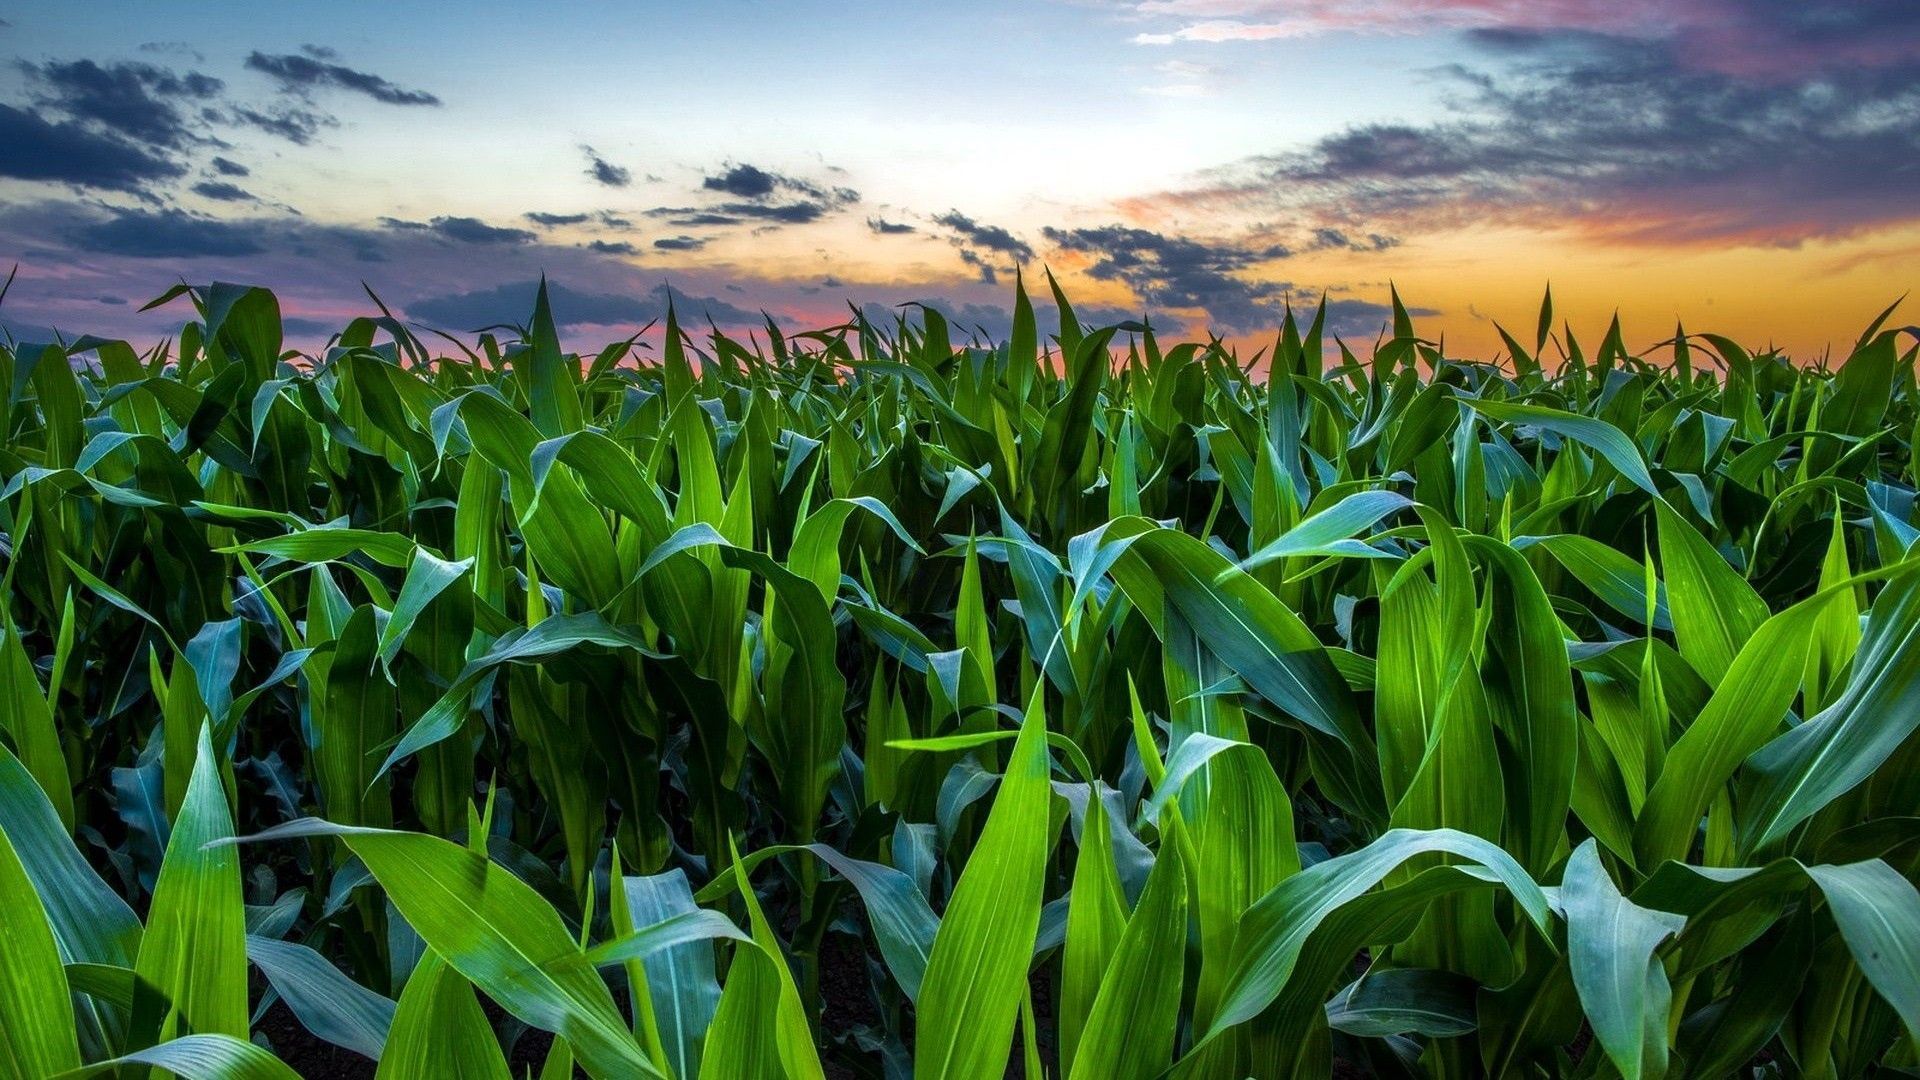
(1748, 166)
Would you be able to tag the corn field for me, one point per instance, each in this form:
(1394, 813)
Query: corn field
(885, 701)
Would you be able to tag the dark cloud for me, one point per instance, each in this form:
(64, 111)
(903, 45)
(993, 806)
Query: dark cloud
(604, 171)
(1360, 319)
(761, 195)
(166, 234)
(789, 213)
(230, 168)
(752, 182)
(988, 275)
(884, 227)
(295, 124)
(300, 326)
(1326, 238)
(988, 249)
(34, 148)
(464, 230)
(1636, 140)
(112, 301)
(1182, 273)
(989, 237)
(513, 303)
(679, 243)
(613, 247)
(551, 220)
(744, 181)
(176, 48)
(314, 70)
(688, 217)
(139, 102)
(222, 191)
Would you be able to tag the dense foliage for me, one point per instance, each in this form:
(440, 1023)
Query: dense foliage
(1074, 705)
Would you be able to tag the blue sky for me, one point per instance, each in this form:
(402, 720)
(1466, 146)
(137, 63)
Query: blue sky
(1745, 164)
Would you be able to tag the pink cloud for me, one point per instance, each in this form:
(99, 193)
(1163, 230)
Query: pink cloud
(1261, 20)
(1763, 40)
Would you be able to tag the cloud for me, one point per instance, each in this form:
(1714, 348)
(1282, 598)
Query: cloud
(292, 123)
(978, 243)
(884, 227)
(513, 303)
(549, 221)
(1182, 273)
(139, 102)
(300, 326)
(298, 73)
(761, 195)
(990, 237)
(222, 191)
(166, 234)
(605, 171)
(1327, 238)
(613, 247)
(679, 243)
(226, 167)
(464, 230)
(791, 213)
(1794, 36)
(34, 148)
(689, 217)
(1361, 319)
(1215, 21)
(745, 181)
(1624, 139)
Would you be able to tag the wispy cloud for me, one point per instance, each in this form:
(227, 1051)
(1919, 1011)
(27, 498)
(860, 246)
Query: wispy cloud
(604, 171)
(464, 230)
(1182, 273)
(1625, 140)
(988, 249)
(314, 69)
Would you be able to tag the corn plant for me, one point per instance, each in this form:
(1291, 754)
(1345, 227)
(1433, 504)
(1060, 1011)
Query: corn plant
(885, 700)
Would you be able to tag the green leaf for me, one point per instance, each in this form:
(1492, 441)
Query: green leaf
(1623, 986)
(210, 1056)
(969, 999)
(1807, 768)
(37, 1035)
(1276, 928)
(1879, 916)
(495, 930)
(1603, 438)
(439, 1031)
(195, 947)
(325, 1001)
(1405, 1001)
(1130, 1032)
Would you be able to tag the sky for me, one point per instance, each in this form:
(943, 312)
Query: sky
(1749, 167)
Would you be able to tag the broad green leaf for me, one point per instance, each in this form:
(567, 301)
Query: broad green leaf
(494, 929)
(37, 1036)
(1622, 983)
(1136, 1015)
(969, 998)
(195, 946)
(439, 1031)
